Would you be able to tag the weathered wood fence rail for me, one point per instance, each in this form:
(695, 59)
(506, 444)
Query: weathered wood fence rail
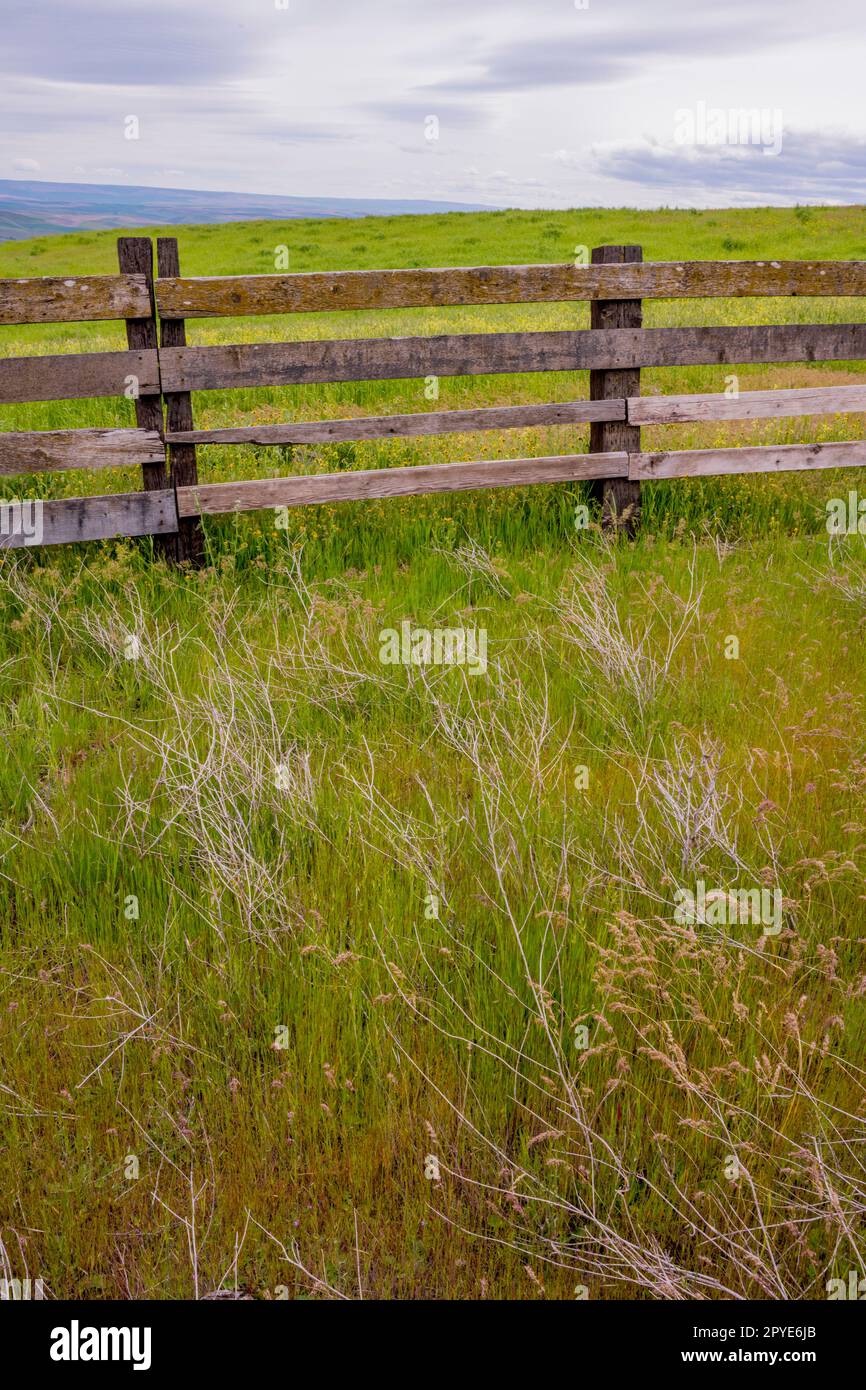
(159, 373)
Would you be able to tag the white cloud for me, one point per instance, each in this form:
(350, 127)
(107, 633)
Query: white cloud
(810, 167)
(331, 100)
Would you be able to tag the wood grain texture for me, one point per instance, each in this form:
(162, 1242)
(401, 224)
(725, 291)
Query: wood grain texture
(41, 451)
(212, 296)
(56, 299)
(135, 256)
(98, 518)
(472, 354)
(619, 497)
(509, 417)
(749, 405)
(768, 458)
(183, 468)
(395, 482)
(72, 376)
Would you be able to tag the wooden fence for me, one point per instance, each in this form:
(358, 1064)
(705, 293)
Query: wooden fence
(159, 371)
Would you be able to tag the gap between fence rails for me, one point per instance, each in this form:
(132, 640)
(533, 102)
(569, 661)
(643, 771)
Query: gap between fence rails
(745, 405)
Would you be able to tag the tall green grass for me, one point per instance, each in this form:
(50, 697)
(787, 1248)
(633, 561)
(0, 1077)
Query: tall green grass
(240, 1012)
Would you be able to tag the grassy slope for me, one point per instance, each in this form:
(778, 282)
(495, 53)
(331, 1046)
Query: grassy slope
(302, 904)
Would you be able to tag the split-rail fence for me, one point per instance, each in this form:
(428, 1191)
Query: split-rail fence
(160, 373)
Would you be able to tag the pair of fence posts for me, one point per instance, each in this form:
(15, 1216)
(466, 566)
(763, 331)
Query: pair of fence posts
(135, 257)
(619, 497)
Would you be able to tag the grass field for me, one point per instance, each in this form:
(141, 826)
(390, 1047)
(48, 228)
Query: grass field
(326, 977)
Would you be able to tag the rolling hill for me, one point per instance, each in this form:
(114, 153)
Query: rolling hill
(30, 208)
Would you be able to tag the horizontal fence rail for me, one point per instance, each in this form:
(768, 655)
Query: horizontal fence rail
(40, 451)
(101, 518)
(747, 405)
(396, 482)
(73, 299)
(317, 291)
(765, 458)
(480, 354)
(508, 417)
(79, 376)
(259, 493)
(638, 410)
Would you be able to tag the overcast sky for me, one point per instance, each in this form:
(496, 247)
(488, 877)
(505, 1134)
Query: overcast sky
(538, 102)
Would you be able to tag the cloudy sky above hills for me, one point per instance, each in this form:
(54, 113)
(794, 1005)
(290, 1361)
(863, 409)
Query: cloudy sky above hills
(531, 102)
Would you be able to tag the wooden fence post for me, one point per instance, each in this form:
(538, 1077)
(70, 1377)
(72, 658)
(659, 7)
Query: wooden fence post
(183, 469)
(135, 257)
(620, 498)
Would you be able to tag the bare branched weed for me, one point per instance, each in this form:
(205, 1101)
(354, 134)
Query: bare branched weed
(703, 1139)
(669, 1044)
(478, 565)
(634, 658)
(690, 1034)
(231, 777)
(16, 1283)
(692, 802)
(682, 813)
(845, 580)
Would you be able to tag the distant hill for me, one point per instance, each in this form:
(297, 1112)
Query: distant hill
(29, 208)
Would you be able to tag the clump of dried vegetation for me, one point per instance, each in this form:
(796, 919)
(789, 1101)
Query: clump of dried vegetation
(456, 897)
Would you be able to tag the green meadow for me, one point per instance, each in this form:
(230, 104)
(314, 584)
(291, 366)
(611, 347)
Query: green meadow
(327, 977)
